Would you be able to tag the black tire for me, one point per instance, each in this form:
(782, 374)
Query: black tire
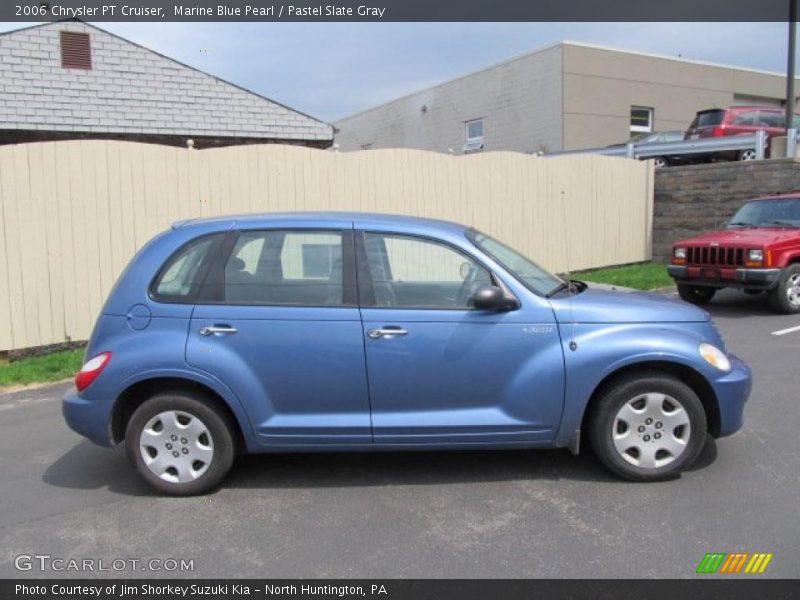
(696, 294)
(217, 423)
(781, 299)
(604, 412)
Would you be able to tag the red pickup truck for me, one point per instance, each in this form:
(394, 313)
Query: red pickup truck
(759, 251)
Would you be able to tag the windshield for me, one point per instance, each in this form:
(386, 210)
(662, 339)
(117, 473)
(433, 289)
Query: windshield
(768, 213)
(527, 272)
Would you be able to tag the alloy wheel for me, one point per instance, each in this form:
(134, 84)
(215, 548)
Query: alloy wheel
(651, 430)
(793, 289)
(176, 446)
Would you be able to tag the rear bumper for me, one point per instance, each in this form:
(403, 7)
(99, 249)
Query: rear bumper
(756, 279)
(88, 418)
(732, 390)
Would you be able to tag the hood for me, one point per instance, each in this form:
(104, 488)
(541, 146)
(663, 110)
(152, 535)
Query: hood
(743, 236)
(601, 306)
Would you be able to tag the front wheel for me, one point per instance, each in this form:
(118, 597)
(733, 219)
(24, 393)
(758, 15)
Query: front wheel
(180, 443)
(696, 294)
(660, 162)
(647, 427)
(785, 298)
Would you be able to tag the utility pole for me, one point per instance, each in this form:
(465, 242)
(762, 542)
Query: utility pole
(790, 64)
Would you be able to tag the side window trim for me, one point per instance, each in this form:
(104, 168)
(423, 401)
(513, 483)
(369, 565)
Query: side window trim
(213, 291)
(366, 290)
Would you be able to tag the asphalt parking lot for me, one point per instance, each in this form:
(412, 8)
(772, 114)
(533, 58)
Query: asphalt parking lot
(488, 515)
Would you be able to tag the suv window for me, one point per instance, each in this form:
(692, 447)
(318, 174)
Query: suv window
(294, 268)
(747, 119)
(771, 118)
(178, 279)
(708, 118)
(412, 272)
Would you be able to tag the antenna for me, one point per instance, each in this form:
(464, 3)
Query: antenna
(572, 344)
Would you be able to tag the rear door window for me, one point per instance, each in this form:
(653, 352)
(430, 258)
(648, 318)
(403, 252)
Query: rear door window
(286, 268)
(746, 119)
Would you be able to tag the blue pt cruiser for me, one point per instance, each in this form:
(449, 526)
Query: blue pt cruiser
(334, 331)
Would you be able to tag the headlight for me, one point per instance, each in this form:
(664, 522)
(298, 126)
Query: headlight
(715, 357)
(679, 253)
(756, 255)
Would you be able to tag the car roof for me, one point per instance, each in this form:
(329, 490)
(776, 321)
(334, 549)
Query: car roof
(742, 107)
(319, 219)
(782, 196)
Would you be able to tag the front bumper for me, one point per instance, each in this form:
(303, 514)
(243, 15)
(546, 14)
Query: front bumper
(720, 277)
(88, 418)
(732, 390)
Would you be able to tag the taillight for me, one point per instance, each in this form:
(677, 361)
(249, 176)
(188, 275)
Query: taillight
(91, 369)
(718, 131)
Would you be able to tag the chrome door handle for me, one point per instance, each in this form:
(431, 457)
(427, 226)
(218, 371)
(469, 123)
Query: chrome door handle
(387, 332)
(217, 329)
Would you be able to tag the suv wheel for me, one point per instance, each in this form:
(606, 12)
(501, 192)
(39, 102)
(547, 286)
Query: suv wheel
(785, 298)
(647, 427)
(659, 162)
(180, 444)
(696, 294)
(747, 155)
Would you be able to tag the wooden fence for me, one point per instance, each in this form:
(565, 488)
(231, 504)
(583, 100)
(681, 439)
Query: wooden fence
(72, 214)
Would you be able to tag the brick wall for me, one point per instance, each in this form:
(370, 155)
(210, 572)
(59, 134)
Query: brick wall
(693, 199)
(131, 90)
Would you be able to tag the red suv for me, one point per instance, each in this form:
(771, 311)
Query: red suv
(738, 120)
(759, 251)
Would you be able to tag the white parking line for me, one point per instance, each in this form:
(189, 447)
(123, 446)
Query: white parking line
(785, 331)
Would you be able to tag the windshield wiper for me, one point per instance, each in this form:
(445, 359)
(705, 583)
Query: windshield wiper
(740, 224)
(559, 288)
(781, 223)
(573, 286)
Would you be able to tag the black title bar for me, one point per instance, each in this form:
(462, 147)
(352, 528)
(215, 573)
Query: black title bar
(397, 10)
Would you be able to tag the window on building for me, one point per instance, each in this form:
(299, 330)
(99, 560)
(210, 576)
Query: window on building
(641, 119)
(76, 51)
(473, 131)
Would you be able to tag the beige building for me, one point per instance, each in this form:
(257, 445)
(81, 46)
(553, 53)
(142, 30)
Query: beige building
(564, 97)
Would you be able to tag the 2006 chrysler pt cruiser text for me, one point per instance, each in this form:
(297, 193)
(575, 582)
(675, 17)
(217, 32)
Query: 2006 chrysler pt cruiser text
(334, 331)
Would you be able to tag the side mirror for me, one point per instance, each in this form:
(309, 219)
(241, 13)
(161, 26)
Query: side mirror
(491, 297)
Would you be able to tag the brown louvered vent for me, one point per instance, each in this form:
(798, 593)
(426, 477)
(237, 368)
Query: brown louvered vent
(76, 52)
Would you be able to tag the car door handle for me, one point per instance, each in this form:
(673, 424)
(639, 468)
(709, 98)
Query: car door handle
(217, 329)
(386, 332)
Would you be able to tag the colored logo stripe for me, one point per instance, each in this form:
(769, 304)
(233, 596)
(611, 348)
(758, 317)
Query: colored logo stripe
(758, 564)
(722, 562)
(711, 562)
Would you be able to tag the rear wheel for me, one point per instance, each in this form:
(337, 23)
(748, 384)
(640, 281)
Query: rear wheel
(785, 298)
(747, 155)
(180, 443)
(647, 427)
(696, 294)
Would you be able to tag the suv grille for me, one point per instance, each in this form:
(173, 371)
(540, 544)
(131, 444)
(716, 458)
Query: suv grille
(714, 255)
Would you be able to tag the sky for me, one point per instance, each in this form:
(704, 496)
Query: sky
(331, 70)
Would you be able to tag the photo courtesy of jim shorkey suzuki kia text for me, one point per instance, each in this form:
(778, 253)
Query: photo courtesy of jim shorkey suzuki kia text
(135, 590)
(409, 300)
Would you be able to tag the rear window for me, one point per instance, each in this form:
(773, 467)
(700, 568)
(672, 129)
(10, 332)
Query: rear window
(179, 278)
(709, 118)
